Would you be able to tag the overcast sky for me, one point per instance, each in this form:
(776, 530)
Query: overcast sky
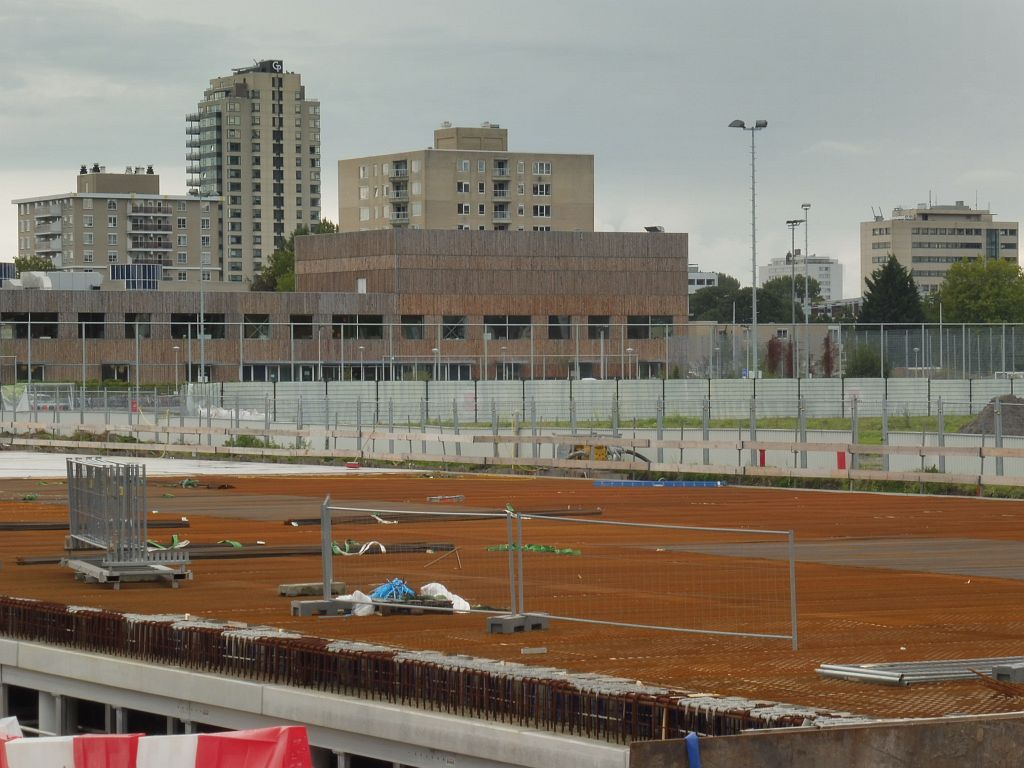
(868, 102)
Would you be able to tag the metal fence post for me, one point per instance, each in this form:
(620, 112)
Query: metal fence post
(326, 548)
(391, 425)
(455, 426)
(885, 434)
(940, 436)
(660, 407)
(801, 407)
(81, 406)
(494, 426)
(706, 419)
(753, 431)
(534, 447)
(359, 425)
(999, 434)
(615, 416)
(423, 424)
(792, 589)
(572, 417)
(854, 433)
(511, 561)
(266, 420)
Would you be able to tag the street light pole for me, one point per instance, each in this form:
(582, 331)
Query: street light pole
(176, 368)
(757, 126)
(807, 292)
(437, 362)
(792, 224)
(629, 362)
(362, 372)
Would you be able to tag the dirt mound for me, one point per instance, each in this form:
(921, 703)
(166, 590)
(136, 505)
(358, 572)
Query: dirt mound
(985, 422)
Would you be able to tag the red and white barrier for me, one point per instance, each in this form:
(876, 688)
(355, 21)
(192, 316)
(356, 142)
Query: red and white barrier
(284, 747)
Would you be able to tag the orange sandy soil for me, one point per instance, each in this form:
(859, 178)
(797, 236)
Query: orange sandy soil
(846, 614)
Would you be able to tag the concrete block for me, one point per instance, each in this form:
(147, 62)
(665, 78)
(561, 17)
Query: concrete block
(321, 607)
(310, 589)
(1008, 673)
(508, 624)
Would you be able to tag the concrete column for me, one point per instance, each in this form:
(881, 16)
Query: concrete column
(189, 727)
(344, 759)
(120, 720)
(50, 711)
(5, 699)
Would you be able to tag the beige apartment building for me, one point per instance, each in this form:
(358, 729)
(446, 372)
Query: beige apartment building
(119, 227)
(468, 180)
(929, 239)
(254, 141)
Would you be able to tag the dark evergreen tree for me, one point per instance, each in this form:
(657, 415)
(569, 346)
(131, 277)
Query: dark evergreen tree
(891, 296)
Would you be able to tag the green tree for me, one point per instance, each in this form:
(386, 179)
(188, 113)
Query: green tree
(865, 362)
(891, 296)
(715, 302)
(33, 264)
(983, 291)
(775, 299)
(279, 273)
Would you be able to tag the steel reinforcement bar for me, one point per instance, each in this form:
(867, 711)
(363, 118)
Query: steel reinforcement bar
(321, 664)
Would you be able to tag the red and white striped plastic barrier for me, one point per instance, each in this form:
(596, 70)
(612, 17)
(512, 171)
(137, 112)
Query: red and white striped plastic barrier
(284, 747)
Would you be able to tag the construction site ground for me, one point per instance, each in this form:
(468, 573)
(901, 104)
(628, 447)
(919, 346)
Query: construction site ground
(881, 578)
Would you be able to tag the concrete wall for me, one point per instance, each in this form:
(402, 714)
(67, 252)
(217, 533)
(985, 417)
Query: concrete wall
(953, 742)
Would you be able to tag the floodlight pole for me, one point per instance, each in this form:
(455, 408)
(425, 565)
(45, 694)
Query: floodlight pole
(757, 126)
(793, 224)
(807, 291)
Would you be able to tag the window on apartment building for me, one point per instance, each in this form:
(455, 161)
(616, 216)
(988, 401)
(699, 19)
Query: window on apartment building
(87, 220)
(481, 209)
(256, 326)
(521, 188)
(87, 257)
(542, 229)
(183, 257)
(111, 256)
(542, 189)
(453, 327)
(412, 327)
(91, 325)
(87, 203)
(559, 326)
(111, 205)
(182, 241)
(182, 222)
(111, 221)
(112, 239)
(521, 210)
(481, 166)
(464, 209)
(542, 168)
(542, 211)
(480, 187)
(462, 166)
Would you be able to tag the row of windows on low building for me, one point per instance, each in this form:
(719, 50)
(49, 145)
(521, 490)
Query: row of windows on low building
(500, 168)
(95, 325)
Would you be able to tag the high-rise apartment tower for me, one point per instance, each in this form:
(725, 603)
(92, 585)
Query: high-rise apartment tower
(255, 142)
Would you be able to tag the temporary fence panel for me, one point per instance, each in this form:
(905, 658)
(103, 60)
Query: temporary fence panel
(955, 395)
(638, 400)
(908, 397)
(666, 577)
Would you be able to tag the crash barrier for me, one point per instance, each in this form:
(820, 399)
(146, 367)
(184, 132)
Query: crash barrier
(275, 747)
(515, 694)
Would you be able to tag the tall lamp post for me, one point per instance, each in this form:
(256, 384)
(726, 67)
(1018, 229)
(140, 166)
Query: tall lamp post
(807, 291)
(176, 349)
(757, 126)
(793, 224)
